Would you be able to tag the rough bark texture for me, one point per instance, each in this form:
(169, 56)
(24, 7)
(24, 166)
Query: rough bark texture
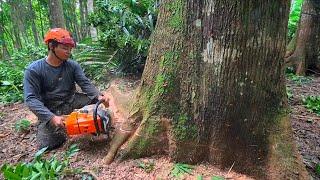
(213, 88)
(56, 14)
(306, 52)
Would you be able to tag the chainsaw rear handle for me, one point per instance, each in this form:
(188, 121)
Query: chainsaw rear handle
(95, 113)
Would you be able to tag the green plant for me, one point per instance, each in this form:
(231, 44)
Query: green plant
(11, 73)
(199, 177)
(180, 169)
(129, 27)
(299, 80)
(312, 103)
(146, 166)
(217, 178)
(41, 168)
(318, 169)
(95, 60)
(22, 125)
(294, 17)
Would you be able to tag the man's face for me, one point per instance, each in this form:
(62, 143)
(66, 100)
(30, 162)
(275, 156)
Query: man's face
(63, 51)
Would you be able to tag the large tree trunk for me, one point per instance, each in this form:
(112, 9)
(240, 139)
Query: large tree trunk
(56, 14)
(93, 30)
(33, 24)
(213, 89)
(306, 52)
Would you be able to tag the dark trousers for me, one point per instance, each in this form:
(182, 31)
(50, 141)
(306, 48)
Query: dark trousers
(51, 136)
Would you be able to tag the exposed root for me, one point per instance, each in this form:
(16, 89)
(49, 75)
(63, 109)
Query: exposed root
(120, 137)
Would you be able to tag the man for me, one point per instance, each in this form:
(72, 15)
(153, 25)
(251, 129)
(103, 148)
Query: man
(50, 91)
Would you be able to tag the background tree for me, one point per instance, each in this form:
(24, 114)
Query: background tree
(16, 22)
(32, 16)
(83, 18)
(93, 30)
(213, 89)
(305, 52)
(56, 14)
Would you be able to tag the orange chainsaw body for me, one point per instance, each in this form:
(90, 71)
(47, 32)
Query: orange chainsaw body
(81, 123)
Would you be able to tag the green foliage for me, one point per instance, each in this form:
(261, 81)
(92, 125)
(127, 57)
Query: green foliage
(22, 125)
(11, 73)
(128, 28)
(41, 168)
(95, 60)
(294, 17)
(180, 169)
(146, 166)
(299, 80)
(318, 169)
(312, 103)
(199, 177)
(217, 178)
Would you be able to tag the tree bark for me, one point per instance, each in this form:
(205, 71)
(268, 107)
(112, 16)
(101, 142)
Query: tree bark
(213, 89)
(33, 24)
(93, 30)
(306, 53)
(15, 22)
(4, 50)
(83, 32)
(56, 14)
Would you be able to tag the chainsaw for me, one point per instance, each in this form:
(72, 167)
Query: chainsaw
(88, 120)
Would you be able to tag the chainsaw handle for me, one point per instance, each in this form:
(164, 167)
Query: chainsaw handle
(95, 114)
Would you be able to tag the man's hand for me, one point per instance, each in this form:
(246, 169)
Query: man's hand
(57, 121)
(105, 100)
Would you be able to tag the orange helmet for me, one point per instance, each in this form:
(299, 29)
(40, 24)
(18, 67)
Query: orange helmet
(60, 35)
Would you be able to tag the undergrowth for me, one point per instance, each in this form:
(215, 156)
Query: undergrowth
(312, 103)
(41, 168)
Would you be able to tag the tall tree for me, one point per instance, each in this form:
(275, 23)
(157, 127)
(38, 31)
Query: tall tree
(93, 30)
(15, 23)
(213, 89)
(56, 14)
(33, 24)
(4, 53)
(307, 41)
(71, 17)
(83, 24)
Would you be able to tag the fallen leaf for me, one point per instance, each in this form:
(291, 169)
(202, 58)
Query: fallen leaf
(4, 135)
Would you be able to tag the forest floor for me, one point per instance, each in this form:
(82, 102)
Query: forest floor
(21, 147)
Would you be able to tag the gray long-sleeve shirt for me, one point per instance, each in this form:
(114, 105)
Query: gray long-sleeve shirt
(44, 84)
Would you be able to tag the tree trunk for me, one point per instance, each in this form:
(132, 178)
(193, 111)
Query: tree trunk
(33, 24)
(82, 19)
(41, 19)
(4, 54)
(213, 89)
(15, 22)
(93, 30)
(56, 14)
(306, 53)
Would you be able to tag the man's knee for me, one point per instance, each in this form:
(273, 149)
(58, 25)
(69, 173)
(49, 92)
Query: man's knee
(50, 137)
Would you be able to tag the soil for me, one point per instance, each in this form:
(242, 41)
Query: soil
(21, 147)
